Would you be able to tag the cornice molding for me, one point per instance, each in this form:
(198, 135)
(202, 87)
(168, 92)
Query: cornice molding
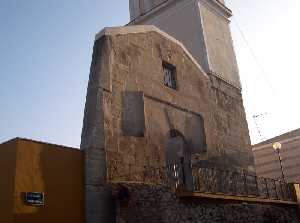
(218, 8)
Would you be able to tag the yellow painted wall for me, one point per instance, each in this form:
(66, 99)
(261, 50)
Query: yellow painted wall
(7, 179)
(55, 171)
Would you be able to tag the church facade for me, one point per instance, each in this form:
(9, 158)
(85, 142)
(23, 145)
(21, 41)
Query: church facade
(149, 104)
(164, 138)
(162, 96)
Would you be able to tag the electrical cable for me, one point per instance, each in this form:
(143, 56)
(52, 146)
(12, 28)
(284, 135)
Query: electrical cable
(262, 71)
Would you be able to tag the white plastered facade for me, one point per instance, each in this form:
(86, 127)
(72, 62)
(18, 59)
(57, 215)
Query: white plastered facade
(201, 25)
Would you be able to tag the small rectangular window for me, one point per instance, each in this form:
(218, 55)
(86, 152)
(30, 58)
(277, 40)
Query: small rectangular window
(169, 72)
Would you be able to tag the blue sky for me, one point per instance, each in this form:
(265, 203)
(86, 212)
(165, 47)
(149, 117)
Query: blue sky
(45, 54)
(270, 86)
(46, 49)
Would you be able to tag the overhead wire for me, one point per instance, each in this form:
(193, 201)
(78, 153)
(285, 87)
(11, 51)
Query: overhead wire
(262, 72)
(253, 54)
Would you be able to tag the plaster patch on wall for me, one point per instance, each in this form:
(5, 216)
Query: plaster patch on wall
(133, 115)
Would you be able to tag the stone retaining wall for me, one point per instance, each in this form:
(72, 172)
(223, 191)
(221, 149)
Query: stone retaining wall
(157, 204)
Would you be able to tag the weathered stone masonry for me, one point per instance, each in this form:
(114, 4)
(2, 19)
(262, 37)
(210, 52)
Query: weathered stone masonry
(158, 204)
(130, 115)
(131, 64)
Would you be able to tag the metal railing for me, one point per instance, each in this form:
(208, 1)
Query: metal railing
(211, 180)
(239, 184)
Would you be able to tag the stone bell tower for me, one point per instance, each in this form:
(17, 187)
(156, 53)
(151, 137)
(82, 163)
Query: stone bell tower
(161, 93)
(201, 25)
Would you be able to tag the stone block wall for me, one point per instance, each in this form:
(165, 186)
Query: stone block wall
(132, 121)
(231, 128)
(130, 112)
(157, 204)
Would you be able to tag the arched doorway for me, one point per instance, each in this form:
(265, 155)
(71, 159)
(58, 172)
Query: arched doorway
(178, 160)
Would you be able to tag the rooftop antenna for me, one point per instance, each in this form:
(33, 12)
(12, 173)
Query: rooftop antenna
(255, 117)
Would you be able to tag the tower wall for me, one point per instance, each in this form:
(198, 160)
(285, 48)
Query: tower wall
(219, 45)
(133, 121)
(203, 27)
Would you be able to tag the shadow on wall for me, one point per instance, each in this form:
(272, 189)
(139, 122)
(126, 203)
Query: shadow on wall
(176, 148)
(181, 146)
(234, 161)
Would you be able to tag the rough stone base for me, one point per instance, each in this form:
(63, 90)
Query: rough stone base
(157, 204)
(100, 206)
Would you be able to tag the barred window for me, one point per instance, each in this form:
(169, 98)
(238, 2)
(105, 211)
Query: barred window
(169, 72)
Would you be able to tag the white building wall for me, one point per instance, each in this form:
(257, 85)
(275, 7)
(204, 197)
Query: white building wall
(182, 21)
(202, 28)
(134, 9)
(221, 55)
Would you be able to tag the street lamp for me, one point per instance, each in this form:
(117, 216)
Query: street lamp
(277, 146)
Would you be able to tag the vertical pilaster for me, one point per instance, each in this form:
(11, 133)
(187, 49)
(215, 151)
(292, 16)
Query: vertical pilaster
(99, 206)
